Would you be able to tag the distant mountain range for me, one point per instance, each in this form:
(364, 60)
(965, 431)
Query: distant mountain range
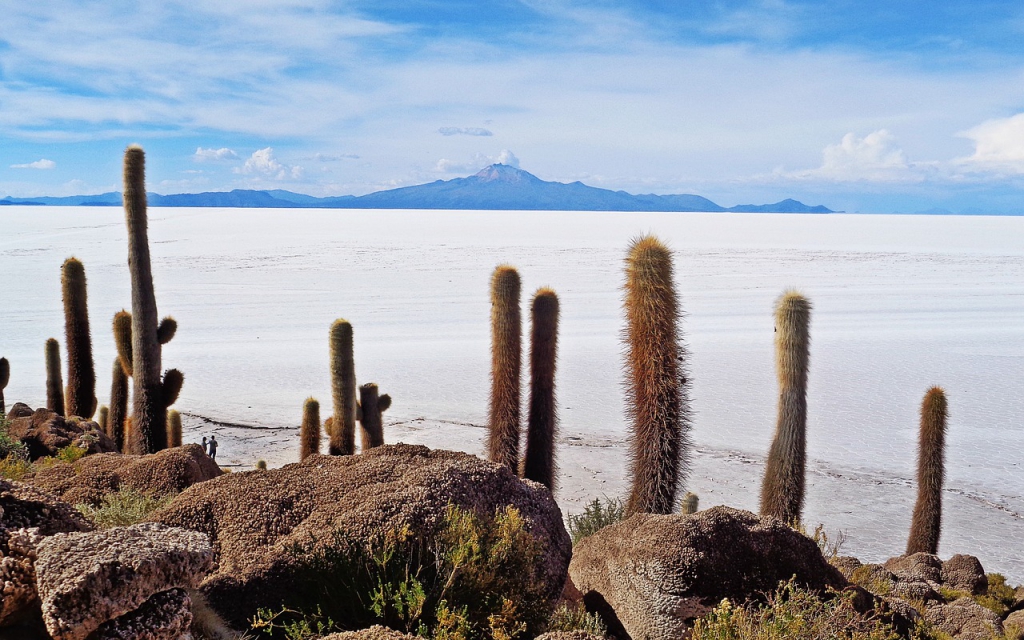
(497, 187)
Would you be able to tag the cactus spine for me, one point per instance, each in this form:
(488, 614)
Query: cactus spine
(80, 393)
(54, 381)
(371, 406)
(5, 377)
(690, 503)
(343, 390)
(151, 394)
(782, 492)
(173, 428)
(542, 420)
(926, 526)
(309, 432)
(657, 387)
(506, 360)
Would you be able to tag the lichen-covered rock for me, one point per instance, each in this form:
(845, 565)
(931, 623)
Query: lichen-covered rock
(88, 579)
(23, 506)
(376, 632)
(164, 616)
(906, 585)
(846, 565)
(19, 410)
(917, 567)
(45, 432)
(653, 574)
(964, 573)
(17, 573)
(964, 619)
(159, 474)
(253, 518)
(569, 635)
(1014, 624)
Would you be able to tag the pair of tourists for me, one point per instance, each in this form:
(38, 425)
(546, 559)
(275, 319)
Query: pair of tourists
(210, 447)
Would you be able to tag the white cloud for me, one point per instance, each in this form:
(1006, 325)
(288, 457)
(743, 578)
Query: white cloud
(998, 146)
(38, 164)
(479, 161)
(204, 155)
(464, 131)
(262, 163)
(874, 158)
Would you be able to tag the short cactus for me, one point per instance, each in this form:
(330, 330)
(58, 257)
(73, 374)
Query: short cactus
(926, 525)
(151, 393)
(80, 392)
(122, 327)
(54, 381)
(5, 377)
(782, 492)
(690, 503)
(371, 406)
(542, 420)
(173, 429)
(343, 390)
(309, 432)
(102, 416)
(506, 361)
(657, 399)
(261, 465)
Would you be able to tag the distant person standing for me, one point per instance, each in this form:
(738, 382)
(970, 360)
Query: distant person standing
(213, 447)
(206, 447)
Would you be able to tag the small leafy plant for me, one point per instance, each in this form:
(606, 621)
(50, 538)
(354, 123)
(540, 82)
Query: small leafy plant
(596, 515)
(125, 507)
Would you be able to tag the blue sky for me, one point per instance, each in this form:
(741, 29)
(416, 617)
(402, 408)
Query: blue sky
(861, 106)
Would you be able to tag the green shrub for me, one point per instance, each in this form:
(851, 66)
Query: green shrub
(596, 515)
(125, 507)
(1000, 596)
(8, 445)
(71, 453)
(475, 579)
(794, 614)
(14, 467)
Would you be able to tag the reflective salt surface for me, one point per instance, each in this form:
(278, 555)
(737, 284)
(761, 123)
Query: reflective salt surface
(900, 303)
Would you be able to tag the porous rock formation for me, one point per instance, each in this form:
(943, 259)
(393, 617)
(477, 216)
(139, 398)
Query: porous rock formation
(964, 619)
(253, 518)
(45, 433)
(376, 632)
(86, 581)
(651, 575)
(159, 474)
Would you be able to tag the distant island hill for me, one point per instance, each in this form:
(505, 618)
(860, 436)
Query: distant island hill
(497, 187)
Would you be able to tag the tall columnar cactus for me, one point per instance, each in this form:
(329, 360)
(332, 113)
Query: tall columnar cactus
(926, 525)
(54, 381)
(657, 399)
(371, 406)
(173, 428)
(118, 404)
(542, 421)
(342, 430)
(782, 492)
(151, 393)
(309, 432)
(5, 377)
(506, 361)
(80, 392)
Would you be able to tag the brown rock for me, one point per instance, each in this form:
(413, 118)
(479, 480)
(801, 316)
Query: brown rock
(651, 575)
(846, 565)
(159, 474)
(376, 632)
(88, 579)
(1014, 624)
(19, 410)
(165, 616)
(917, 567)
(964, 619)
(1018, 597)
(25, 506)
(17, 573)
(252, 518)
(906, 585)
(964, 573)
(569, 635)
(45, 433)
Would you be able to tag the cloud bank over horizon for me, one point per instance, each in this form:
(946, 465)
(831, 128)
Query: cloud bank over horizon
(860, 107)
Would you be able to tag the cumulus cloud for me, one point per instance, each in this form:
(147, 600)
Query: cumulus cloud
(874, 158)
(263, 163)
(42, 163)
(464, 131)
(204, 155)
(479, 161)
(998, 145)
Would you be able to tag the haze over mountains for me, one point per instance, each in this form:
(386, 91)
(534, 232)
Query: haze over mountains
(496, 187)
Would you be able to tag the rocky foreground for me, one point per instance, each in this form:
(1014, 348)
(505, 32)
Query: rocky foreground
(222, 552)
